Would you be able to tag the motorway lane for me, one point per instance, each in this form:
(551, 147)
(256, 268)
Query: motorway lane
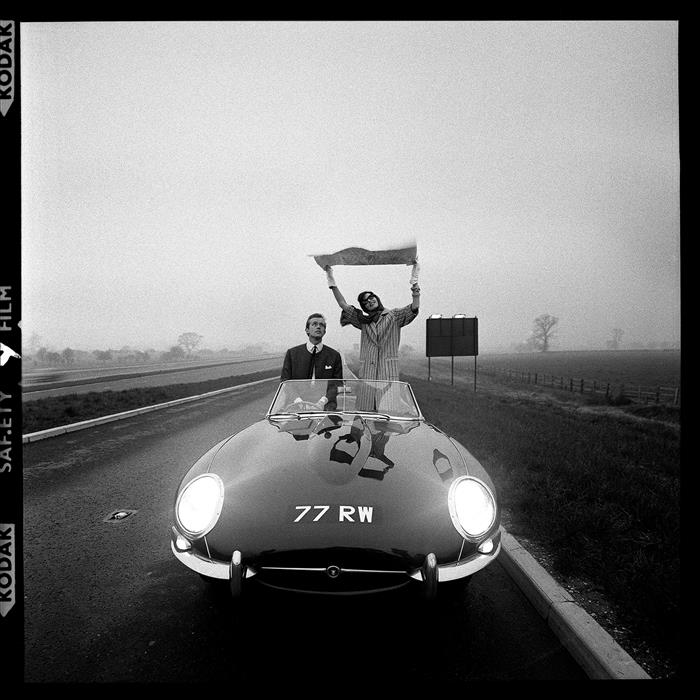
(33, 376)
(109, 602)
(189, 376)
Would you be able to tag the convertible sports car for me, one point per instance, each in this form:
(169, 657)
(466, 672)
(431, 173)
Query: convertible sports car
(342, 488)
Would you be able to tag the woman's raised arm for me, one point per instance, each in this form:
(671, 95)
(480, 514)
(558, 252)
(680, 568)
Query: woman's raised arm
(334, 288)
(415, 289)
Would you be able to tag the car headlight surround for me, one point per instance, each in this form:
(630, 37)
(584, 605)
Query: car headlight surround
(472, 507)
(199, 505)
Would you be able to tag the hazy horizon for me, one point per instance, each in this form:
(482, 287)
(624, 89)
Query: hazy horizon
(350, 345)
(177, 177)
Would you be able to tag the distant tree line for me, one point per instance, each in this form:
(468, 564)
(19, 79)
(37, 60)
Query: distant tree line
(69, 357)
(187, 347)
(544, 331)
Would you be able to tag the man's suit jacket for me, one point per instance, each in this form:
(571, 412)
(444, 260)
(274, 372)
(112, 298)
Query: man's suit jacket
(297, 365)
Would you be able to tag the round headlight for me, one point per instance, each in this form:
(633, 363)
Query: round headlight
(199, 504)
(472, 507)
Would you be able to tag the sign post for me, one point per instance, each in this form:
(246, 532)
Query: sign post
(450, 337)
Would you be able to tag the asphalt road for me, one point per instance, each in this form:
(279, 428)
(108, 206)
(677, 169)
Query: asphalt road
(73, 383)
(107, 601)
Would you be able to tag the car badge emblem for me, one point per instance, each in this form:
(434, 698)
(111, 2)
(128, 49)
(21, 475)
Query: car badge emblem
(333, 571)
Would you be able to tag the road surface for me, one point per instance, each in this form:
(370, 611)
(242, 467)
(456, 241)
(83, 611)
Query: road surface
(107, 601)
(81, 382)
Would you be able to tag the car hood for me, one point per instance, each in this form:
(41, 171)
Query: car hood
(343, 482)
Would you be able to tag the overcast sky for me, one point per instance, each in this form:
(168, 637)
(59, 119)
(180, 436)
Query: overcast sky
(177, 176)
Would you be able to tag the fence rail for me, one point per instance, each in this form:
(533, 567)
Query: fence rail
(613, 391)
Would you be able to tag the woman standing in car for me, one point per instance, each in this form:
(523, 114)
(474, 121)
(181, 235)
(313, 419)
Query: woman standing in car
(380, 332)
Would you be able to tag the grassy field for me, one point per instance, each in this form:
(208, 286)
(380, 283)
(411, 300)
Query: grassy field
(619, 377)
(629, 367)
(596, 489)
(595, 486)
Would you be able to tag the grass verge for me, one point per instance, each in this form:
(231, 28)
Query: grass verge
(600, 491)
(50, 412)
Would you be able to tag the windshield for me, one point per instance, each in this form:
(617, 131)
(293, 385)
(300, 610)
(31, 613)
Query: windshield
(387, 399)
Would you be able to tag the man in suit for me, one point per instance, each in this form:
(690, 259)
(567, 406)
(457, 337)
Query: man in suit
(315, 360)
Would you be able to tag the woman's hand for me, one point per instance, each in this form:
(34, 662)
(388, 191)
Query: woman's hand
(334, 288)
(414, 273)
(329, 276)
(415, 291)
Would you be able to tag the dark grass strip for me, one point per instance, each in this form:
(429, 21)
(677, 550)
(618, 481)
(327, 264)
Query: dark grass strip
(600, 492)
(52, 411)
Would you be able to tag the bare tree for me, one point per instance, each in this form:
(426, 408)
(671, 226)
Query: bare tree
(68, 356)
(103, 355)
(35, 342)
(189, 341)
(543, 331)
(617, 334)
(175, 353)
(54, 358)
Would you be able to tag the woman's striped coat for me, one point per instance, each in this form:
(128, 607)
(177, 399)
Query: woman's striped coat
(379, 352)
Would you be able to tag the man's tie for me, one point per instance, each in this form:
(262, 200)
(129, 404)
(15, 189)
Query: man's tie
(313, 362)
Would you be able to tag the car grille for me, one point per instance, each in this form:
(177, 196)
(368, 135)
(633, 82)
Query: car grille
(332, 579)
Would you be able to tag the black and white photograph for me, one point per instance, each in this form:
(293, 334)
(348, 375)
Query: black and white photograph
(340, 354)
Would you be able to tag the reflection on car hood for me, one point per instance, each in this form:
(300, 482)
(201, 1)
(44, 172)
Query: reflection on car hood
(338, 449)
(402, 470)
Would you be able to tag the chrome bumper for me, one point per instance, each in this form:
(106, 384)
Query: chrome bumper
(206, 567)
(446, 572)
(460, 569)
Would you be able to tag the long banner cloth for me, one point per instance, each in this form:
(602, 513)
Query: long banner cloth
(362, 256)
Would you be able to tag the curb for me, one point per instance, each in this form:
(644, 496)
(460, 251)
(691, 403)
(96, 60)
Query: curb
(72, 427)
(598, 654)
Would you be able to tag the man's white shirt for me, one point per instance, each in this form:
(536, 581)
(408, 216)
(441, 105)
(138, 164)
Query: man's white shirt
(310, 347)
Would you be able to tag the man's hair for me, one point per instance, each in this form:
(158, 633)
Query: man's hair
(314, 316)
